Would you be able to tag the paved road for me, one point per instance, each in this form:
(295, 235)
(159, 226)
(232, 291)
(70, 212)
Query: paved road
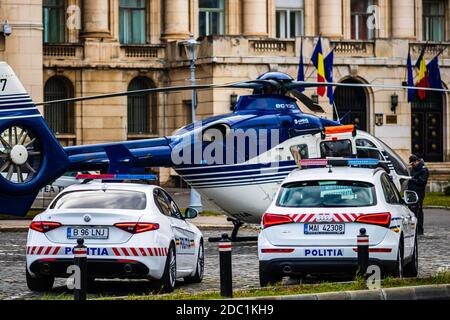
(433, 253)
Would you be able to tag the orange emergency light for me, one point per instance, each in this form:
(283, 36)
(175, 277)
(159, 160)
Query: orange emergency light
(340, 129)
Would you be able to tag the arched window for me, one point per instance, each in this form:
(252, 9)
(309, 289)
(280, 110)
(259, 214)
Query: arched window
(60, 116)
(142, 114)
(352, 102)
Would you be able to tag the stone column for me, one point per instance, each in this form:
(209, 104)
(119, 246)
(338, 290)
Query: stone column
(310, 18)
(176, 20)
(254, 18)
(233, 13)
(96, 19)
(403, 19)
(330, 18)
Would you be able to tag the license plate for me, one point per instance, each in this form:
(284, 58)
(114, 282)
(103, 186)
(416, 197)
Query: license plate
(87, 233)
(324, 228)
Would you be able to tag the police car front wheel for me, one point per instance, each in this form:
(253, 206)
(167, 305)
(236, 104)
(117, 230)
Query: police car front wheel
(40, 284)
(167, 282)
(412, 268)
(199, 271)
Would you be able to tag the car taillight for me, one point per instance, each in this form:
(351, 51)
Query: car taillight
(381, 219)
(270, 219)
(44, 226)
(137, 227)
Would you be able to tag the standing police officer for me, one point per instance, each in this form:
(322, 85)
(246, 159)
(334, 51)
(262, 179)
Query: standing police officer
(418, 182)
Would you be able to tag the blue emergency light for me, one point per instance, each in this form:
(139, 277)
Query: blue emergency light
(339, 162)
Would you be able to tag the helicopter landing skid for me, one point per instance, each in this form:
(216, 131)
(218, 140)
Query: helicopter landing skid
(234, 238)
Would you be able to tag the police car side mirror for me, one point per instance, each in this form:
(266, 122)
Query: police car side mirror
(190, 213)
(410, 197)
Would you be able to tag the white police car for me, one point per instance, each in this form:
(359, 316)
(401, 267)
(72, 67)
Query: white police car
(315, 218)
(130, 230)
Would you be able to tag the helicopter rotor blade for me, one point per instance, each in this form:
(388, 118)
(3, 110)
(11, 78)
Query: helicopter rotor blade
(303, 84)
(241, 85)
(314, 107)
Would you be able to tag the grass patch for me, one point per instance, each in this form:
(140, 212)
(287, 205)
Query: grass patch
(358, 284)
(30, 215)
(277, 290)
(436, 199)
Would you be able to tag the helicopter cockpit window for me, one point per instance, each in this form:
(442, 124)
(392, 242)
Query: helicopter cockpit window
(337, 148)
(267, 102)
(366, 149)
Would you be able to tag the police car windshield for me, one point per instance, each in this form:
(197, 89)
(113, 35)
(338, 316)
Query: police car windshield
(99, 199)
(324, 194)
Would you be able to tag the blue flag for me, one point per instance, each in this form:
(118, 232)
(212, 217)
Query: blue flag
(434, 74)
(410, 78)
(301, 71)
(328, 65)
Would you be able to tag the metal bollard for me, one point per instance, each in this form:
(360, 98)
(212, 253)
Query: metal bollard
(226, 280)
(80, 260)
(363, 252)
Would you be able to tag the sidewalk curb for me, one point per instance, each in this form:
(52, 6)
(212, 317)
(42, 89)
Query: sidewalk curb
(427, 292)
(436, 207)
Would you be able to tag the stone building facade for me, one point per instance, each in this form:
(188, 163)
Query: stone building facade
(65, 48)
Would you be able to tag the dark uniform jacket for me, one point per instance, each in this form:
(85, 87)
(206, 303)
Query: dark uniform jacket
(419, 178)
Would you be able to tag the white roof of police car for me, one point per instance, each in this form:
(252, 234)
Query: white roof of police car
(338, 173)
(111, 186)
(145, 188)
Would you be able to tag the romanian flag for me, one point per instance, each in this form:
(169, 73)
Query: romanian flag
(317, 60)
(422, 78)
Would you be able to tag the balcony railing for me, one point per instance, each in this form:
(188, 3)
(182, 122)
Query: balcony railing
(431, 49)
(271, 46)
(63, 51)
(353, 48)
(143, 51)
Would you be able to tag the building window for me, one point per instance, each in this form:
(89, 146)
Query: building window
(60, 116)
(433, 20)
(142, 116)
(132, 21)
(211, 17)
(359, 16)
(54, 21)
(289, 18)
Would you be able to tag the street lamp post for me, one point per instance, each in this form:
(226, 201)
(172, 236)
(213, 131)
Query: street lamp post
(191, 49)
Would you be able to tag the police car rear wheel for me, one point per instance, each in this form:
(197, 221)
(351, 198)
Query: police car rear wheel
(167, 282)
(412, 268)
(198, 276)
(397, 272)
(266, 278)
(39, 284)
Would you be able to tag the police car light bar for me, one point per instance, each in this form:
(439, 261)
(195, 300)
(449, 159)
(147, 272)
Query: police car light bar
(108, 176)
(338, 162)
(340, 129)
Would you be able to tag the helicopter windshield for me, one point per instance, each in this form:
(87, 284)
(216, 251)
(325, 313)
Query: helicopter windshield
(267, 102)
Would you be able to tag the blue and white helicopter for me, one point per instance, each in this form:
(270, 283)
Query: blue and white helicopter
(236, 160)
